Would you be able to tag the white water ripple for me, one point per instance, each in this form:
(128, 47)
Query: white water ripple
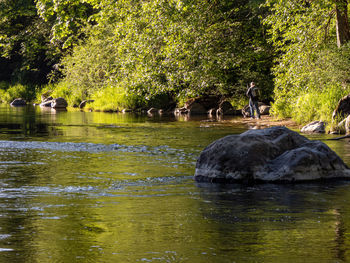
(88, 147)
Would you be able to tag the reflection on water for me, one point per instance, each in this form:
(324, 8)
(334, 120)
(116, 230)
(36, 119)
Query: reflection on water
(102, 187)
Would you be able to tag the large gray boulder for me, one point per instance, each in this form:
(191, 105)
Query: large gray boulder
(274, 154)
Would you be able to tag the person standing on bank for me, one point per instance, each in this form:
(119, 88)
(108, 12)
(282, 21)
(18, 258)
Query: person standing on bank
(253, 94)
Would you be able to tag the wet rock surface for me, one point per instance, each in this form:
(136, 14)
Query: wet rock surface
(274, 154)
(314, 127)
(343, 108)
(18, 102)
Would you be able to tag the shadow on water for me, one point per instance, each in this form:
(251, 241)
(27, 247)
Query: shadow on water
(25, 122)
(273, 218)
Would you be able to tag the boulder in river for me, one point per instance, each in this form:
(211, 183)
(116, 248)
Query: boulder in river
(225, 108)
(264, 109)
(18, 102)
(59, 103)
(274, 154)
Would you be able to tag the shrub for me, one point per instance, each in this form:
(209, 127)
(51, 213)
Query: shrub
(61, 89)
(10, 92)
(114, 98)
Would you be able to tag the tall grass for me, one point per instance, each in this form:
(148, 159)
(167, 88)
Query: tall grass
(310, 105)
(114, 98)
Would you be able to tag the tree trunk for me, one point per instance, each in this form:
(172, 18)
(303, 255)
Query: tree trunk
(343, 30)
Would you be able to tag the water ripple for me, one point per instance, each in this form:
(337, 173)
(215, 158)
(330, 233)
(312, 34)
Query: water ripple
(90, 147)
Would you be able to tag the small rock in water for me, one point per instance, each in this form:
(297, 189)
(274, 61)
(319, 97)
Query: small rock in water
(314, 127)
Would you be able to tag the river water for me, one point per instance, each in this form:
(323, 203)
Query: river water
(106, 187)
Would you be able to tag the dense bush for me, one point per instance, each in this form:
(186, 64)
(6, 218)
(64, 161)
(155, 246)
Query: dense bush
(9, 92)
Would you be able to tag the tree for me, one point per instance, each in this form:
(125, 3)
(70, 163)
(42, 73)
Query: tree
(342, 24)
(67, 18)
(305, 34)
(27, 54)
(185, 47)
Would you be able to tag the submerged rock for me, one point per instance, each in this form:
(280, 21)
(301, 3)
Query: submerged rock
(274, 154)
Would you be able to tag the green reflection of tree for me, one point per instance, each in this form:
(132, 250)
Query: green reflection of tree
(278, 223)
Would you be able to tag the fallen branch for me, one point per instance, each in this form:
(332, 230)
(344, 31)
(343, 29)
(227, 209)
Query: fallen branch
(339, 138)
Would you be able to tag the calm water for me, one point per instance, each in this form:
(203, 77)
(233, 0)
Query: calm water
(101, 187)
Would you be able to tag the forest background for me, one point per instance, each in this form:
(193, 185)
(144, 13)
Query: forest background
(151, 53)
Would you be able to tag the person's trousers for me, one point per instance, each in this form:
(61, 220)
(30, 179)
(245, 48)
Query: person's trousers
(253, 105)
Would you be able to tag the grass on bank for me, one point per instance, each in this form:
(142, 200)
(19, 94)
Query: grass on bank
(304, 107)
(310, 105)
(110, 98)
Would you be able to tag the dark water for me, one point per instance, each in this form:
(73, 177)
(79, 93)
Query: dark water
(101, 187)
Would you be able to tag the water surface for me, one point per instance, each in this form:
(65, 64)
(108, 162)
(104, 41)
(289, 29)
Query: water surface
(107, 187)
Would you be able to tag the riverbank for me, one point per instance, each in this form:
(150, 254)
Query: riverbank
(267, 121)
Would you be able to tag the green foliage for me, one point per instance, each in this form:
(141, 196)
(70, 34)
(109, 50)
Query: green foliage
(10, 92)
(316, 105)
(89, 68)
(132, 53)
(186, 48)
(311, 73)
(27, 55)
(115, 99)
(67, 91)
(67, 19)
(61, 89)
(147, 48)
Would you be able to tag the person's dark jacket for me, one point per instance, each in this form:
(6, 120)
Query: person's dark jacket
(253, 93)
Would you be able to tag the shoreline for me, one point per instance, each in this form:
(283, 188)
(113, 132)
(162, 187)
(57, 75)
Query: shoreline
(264, 122)
(268, 121)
